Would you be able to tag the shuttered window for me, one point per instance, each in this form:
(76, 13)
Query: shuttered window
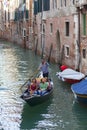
(27, 14)
(35, 7)
(65, 2)
(67, 51)
(67, 28)
(46, 5)
(38, 6)
(51, 28)
(84, 53)
(73, 1)
(84, 24)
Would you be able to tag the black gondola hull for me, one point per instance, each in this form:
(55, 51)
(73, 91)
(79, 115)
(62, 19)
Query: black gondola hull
(38, 99)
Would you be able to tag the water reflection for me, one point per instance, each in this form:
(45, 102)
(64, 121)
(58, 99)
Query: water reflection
(80, 115)
(10, 104)
(37, 117)
(10, 110)
(16, 66)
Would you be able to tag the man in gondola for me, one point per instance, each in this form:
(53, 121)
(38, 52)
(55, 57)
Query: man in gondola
(44, 67)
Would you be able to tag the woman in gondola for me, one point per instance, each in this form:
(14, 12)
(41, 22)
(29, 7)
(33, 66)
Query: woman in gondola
(33, 86)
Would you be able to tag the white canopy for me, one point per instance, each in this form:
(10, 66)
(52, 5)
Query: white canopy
(71, 74)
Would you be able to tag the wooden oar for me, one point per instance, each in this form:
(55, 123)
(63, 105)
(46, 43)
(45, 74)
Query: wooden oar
(30, 78)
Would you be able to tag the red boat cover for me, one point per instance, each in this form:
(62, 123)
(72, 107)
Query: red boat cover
(63, 67)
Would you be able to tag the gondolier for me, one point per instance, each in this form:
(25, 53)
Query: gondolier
(44, 67)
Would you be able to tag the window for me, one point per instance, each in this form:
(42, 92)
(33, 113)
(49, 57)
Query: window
(30, 30)
(61, 3)
(43, 29)
(8, 16)
(84, 24)
(24, 32)
(54, 4)
(43, 5)
(5, 15)
(73, 1)
(67, 28)
(84, 53)
(46, 5)
(67, 51)
(51, 28)
(65, 2)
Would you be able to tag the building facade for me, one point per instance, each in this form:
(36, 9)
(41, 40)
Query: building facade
(56, 29)
(60, 31)
(16, 20)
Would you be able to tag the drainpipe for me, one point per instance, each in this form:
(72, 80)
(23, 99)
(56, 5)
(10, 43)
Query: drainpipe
(30, 24)
(24, 25)
(79, 41)
(42, 44)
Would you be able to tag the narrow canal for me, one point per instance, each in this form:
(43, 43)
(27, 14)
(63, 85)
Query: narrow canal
(61, 112)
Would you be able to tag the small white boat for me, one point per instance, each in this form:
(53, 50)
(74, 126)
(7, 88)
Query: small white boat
(70, 75)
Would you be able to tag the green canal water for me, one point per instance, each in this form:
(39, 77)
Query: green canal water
(61, 112)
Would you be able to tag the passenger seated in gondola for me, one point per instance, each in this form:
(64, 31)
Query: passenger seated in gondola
(43, 86)
(50, 84)
(33, 86)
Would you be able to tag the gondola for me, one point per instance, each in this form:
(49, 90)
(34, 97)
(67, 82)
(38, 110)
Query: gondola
(36, 98)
